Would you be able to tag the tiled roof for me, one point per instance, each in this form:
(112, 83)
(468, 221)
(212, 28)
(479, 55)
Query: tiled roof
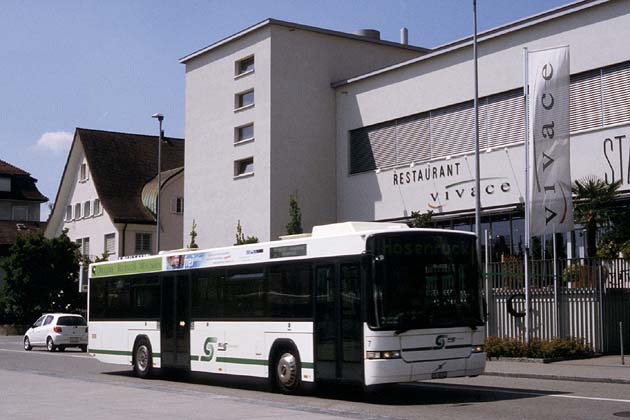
(8, 169)
(23, 188)
(10, 229)
(121, 164)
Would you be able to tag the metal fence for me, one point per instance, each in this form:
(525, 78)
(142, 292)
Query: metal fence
(576, 298)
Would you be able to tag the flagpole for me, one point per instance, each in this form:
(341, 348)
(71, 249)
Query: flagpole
(527, 197)
(477, 169)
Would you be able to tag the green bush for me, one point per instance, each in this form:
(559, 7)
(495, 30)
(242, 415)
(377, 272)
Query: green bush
(568, 348)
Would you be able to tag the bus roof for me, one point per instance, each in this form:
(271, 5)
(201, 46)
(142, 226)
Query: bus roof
(323, 242)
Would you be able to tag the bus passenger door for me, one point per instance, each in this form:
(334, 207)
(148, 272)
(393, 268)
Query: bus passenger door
(338, 323)
(326, 323)
(175, 322)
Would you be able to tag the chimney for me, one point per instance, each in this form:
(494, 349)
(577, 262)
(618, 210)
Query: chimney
(369, 33)
(404, 36)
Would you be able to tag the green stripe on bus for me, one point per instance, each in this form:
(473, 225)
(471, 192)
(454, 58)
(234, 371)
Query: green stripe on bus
(241, 361)
(116, 352)
(128, 267)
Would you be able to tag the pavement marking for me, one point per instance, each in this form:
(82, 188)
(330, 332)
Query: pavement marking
(590, 398)
(46, 353)
(520, 392)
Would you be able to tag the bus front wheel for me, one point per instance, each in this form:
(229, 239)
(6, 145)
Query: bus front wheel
(287, 371)
(142, 358)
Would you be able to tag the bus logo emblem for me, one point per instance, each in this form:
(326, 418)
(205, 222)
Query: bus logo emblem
(208, 348)
(440, 341)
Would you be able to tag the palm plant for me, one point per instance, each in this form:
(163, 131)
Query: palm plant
(593, 206)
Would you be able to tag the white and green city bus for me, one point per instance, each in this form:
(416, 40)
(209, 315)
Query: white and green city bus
(370, 303)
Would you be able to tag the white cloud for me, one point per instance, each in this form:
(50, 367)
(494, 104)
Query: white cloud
(55, 141)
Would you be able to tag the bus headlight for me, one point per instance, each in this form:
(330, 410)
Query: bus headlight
(372, 355)
(477, 349)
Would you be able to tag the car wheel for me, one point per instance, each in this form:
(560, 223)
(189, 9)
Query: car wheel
(142, 358)
(287, 371)
(50, 344)
(83, 348)
(27, 344)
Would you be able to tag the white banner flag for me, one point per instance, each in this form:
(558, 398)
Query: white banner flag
(551, 206)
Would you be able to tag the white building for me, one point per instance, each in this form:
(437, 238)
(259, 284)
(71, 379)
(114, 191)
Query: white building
(260, 125)
(107, 195)
(365, 144)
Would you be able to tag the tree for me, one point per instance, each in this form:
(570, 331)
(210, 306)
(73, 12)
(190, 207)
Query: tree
(594, 207)
(240, 237)
(193, 236)
(41, 276)
(420, 220)
(294, 226)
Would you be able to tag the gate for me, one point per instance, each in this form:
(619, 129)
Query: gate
(579, 298)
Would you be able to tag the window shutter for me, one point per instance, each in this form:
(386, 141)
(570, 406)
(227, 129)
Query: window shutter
(452, 130)
(586, 100)
(506, 118)
(373, 147)
(616, 88)
(414, 142)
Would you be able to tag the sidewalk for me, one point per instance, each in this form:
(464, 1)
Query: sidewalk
(606, 369)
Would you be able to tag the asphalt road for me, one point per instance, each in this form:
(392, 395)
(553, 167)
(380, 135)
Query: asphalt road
(71, 384)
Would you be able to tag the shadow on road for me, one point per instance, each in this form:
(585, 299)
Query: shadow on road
(418, 394)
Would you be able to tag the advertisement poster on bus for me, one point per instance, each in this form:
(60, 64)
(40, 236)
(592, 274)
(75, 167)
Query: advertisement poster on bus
(213, 258)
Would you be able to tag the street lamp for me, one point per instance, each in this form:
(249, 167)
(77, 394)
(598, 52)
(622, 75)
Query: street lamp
(160, 118)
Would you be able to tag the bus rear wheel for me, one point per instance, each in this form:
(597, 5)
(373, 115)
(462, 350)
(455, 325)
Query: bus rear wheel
(142, 358)
(287, 371)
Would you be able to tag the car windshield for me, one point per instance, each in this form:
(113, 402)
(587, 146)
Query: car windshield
(71, 321)
(424, 280)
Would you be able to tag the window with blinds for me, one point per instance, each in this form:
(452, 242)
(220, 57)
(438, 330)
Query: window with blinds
(586, 100)
(616, 93)
(598, 97)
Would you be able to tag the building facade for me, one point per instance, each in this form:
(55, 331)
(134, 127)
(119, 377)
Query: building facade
(417, 154)
(260, 125)
(107, 195)
(370, 131)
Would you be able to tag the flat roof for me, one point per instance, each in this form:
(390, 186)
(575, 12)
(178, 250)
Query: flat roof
(271, 21)
(483, 36)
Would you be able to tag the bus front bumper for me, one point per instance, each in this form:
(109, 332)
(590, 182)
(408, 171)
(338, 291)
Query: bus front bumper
(399, 371)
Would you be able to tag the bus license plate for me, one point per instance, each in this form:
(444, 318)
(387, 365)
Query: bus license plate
(438, 375)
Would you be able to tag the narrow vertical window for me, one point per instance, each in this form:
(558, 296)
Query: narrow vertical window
(68, 213)
(77, 211)
(177, 205)
(87, 211)
(83, 173)
(110, 244)
(97, 207)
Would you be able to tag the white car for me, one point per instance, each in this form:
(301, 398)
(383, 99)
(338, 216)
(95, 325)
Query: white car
(57, 331)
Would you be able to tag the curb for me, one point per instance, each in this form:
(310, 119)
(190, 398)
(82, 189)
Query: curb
(559, 378)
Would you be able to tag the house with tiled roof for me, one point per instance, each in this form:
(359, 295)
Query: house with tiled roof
(20, 202)
(107, 195)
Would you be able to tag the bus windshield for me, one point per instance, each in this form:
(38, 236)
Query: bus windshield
(424, 280)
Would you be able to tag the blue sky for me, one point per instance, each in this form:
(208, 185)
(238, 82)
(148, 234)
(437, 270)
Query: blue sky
(109, 65)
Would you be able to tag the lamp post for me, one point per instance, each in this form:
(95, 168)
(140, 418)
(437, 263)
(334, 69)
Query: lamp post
(477, 167)
(160, 118)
